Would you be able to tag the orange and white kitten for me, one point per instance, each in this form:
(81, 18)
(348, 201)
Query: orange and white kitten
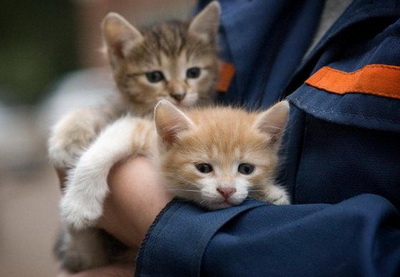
(216, 157)
(176, 61)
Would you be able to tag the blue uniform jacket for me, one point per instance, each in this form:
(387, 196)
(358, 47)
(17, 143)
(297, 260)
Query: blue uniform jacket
(341, 150)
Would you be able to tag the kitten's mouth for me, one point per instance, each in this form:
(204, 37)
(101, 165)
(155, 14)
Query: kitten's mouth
(187, 101)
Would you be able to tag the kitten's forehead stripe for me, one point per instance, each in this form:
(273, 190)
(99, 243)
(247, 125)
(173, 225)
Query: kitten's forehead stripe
(172, 40)
(144, 56)
(244, 141)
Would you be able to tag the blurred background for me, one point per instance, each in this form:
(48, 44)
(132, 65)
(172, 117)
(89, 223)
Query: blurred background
(50, 64)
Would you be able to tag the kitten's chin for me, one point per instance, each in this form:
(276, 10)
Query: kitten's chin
(189, 101)
(218, 205)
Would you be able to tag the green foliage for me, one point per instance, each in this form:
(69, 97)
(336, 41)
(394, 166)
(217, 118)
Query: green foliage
(37, 45)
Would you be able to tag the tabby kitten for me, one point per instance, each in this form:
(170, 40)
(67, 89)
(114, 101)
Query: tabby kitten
(174, 61)
(215, 156)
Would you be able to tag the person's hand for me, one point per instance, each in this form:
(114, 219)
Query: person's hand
(136, 198)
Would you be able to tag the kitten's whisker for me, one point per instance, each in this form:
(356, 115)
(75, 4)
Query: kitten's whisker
(191, 190)
(202, 201)
(180, 178)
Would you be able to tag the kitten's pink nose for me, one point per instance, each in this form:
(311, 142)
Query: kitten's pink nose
(226, 192)
(178, 96)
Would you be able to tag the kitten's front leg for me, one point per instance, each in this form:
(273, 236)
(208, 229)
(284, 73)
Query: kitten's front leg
(275, 194)
(278, 196)
(72, 134)
(82, 204)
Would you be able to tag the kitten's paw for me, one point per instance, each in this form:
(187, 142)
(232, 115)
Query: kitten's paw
(278, 196)
(80, 213)
(71, 135)
(86, 189)
(281, 200)
(87, 186)
(64, 153)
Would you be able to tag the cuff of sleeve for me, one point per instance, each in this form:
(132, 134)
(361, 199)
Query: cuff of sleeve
(177, 239)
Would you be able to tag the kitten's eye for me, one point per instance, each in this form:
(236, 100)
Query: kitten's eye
(204, 168)
(193, 73)
(246, 169)
(155, 76)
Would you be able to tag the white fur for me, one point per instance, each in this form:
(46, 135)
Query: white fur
(87, 186)
(190, 99)
(277, 195)
(211, 198)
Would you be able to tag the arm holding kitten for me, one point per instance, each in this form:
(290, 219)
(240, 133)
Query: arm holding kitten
(136, 199)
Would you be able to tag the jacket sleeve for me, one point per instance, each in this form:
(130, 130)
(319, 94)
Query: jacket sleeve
(357, 237)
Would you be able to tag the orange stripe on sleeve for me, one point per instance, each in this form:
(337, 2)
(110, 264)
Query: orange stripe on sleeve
(226, 73)
(376, 79)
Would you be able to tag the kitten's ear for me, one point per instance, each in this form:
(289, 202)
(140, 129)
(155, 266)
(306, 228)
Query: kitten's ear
(170, 122)
(205, 24)
(273, 121)
(119, 35)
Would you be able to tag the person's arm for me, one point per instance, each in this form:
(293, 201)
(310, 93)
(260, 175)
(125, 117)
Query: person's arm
(357, 237)
(136, 197)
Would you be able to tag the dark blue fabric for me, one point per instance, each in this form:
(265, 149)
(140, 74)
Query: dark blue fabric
(192, 240)
(328, 162)
(309, 240)
(347, 144)
(357, 237)
(341, 154)
(348, 42)
(266, 41)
